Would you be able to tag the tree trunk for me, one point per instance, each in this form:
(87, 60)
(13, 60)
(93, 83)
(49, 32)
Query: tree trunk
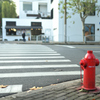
(83, 30)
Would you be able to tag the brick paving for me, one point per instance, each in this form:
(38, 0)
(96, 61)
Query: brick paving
(61, 91)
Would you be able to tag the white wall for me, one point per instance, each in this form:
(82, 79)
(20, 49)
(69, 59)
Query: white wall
(74, 31)
(46, 24)
(55, 20)
(35, 3)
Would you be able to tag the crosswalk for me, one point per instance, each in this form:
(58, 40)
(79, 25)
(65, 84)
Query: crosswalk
(15, 57)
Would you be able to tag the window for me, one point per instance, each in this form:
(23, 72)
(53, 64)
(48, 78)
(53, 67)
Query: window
(10, 31)
(36, 31)
(91, 7)
(51, 1)
(10, 23)
(52, 14)
(90, 32)
(27, 6)
(35, 23)
(43, 8)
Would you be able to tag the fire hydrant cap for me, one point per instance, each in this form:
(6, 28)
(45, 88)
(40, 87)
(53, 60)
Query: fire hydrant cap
(89, 51)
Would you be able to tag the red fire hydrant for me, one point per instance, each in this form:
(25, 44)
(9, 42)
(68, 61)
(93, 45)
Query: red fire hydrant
(88, 65)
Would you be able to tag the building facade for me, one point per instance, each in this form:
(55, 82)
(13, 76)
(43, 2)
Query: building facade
(74, 31)
(41, 18)
(34, 18)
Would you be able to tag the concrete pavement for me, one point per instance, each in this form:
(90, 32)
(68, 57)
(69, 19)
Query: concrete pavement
(62, 91)
(51, 42)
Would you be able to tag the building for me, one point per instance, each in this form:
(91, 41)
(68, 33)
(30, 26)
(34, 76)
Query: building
(40, 18)
(35, 18)
(74, 31)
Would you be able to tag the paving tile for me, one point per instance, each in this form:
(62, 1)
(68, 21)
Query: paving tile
(81, 94)
(59, 92)
(59, 95)
(71, 94)
(61, 98)
(73, 97)
(82, 97)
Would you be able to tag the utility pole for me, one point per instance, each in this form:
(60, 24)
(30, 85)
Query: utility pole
(65, 37)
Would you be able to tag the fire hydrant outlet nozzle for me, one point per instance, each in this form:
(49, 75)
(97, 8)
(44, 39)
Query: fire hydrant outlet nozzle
(83, 64)
(97, 62)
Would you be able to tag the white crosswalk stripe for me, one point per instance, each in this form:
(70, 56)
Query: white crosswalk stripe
(33, 74)
(27, 61)
(66, 46)
(27, 57)
(39, 66)
(32, 57)
(96, 51)
(27, 54)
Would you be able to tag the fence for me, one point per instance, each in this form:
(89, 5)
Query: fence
(72, 38)
(79, 38)
(44, 39)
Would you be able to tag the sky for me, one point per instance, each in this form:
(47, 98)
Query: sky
(17, 6)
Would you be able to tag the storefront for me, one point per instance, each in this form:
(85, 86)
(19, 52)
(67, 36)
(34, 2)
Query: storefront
(34, 29)
(30, 31)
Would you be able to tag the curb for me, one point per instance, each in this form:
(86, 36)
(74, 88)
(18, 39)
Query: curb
(64, 89)
(50, 43)
(49, 88)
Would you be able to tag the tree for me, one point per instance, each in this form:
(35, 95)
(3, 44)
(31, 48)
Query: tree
(5, 9)
(7, 0)
(0, 14)
(13, 10)
(83, 7)
(8, 9)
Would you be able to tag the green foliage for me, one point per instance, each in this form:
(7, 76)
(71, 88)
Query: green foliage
(8, 9)
(83, 7)
(5, 9)
(0, 14)
(98, 10)
(0, 10)
(73, 22)
(12, 10)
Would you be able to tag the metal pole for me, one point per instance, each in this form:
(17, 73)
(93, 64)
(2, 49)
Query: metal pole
(65, 23)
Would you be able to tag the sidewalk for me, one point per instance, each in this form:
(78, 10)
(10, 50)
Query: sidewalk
(50, 43)
(63, 91)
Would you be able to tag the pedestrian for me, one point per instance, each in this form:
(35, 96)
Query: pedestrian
(23, 36)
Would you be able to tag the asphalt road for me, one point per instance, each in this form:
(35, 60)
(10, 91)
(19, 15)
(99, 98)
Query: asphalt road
(23, 66)
(78, 52)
